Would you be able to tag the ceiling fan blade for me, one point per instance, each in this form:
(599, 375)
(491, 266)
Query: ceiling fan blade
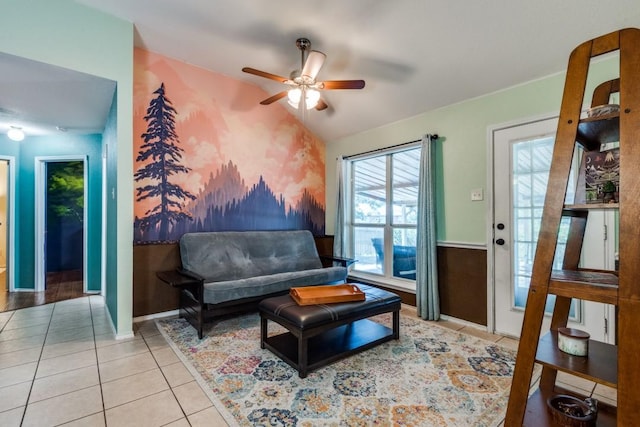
(313, 64)
(274, 98)
(321, 105)
(341, 84)
(264, 74)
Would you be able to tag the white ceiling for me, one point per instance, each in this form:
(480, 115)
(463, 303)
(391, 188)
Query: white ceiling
(43, 99)
(415, 55)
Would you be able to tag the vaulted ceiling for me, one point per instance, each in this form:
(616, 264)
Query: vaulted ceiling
(415, 55)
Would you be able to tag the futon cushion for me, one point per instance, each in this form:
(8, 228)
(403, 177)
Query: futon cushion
(230, 290)
(233, 255)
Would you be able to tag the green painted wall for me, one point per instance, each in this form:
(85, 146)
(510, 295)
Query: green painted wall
(463, 149)
(70, 35)
(25, 153)
(110, 140)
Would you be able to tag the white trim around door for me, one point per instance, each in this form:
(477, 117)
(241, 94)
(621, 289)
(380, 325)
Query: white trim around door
(40, 179)
(11, 215)
(490, 197)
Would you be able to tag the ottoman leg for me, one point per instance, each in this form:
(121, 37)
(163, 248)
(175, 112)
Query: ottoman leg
(263, 331)
(396, 325)
(302, 356)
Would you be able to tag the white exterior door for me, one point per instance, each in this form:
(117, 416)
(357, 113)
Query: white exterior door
(521, 161)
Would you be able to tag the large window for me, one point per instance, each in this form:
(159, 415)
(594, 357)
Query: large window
(383, 203)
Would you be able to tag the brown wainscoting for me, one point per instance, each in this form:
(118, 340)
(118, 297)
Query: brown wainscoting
(406, 297)
(150, 295)
(462, 283)
(462, 276)
(462, 279)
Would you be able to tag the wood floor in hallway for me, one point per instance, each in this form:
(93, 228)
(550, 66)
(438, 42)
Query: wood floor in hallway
(61, 285)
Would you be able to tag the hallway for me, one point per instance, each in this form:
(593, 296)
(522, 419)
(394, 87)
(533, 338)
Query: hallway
(61, 286)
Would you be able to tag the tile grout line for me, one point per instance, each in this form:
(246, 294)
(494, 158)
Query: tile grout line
(165, 378)
(8, 320)
(35, 372)
(95, 349)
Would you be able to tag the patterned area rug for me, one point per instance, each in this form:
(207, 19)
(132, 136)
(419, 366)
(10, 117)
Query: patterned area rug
(432, 376)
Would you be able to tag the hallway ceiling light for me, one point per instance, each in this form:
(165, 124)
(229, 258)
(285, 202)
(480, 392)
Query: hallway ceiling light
(15, 133)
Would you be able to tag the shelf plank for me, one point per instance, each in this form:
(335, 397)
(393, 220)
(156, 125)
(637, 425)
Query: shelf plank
(595, 286)
(570, 210)
(537, 413)
(600, 366)
(594, 131)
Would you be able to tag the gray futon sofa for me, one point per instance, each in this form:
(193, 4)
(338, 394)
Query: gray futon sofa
(234, 270)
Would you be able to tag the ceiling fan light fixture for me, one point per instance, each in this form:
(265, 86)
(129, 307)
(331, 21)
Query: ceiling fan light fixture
(312, 98)
(294, 96)
(15, 133)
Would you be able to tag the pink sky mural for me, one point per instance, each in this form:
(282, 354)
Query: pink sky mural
(219, 120)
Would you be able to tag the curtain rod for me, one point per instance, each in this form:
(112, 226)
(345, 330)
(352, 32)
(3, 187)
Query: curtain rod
(433, 137)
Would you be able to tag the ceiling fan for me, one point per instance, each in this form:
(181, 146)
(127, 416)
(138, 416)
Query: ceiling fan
(304, 88)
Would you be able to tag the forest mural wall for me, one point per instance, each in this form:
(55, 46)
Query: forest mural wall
(208, 157)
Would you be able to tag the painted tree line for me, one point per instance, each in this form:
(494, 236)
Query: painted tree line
(255, 209)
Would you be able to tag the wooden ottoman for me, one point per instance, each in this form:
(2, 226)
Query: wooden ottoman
(321, 334)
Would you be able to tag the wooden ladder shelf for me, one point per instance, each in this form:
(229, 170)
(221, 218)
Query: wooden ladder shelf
(617, 365)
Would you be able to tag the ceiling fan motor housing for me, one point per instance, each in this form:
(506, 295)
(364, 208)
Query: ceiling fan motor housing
(303, 43)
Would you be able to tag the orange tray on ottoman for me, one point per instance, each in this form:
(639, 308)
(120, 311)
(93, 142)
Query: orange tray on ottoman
(310, 295)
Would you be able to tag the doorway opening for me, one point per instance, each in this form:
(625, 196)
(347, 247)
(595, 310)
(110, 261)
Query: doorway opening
(5, 181)
(61, 238)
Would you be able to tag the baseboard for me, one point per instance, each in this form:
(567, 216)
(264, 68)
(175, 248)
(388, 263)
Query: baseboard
(156, 316)
(463, 322)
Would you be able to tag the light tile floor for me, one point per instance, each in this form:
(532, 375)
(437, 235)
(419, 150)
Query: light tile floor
(60, 364)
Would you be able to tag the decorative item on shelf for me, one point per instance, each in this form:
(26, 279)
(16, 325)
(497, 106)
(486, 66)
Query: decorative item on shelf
(573, 341)
(573, 412)
(602, 176)
(603, 110)
(609, 190)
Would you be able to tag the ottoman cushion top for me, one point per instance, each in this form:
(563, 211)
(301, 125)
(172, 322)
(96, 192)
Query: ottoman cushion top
(309, 316)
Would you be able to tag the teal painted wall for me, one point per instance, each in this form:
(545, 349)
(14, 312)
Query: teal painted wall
(67, 34)
(67, 145)
(462, 153)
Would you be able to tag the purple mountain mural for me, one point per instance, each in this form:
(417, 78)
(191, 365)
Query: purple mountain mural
(226, 204)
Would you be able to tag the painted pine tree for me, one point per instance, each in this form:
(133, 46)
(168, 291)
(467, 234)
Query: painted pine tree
(161, 146)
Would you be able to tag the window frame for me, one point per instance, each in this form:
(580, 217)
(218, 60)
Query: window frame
(351, 224)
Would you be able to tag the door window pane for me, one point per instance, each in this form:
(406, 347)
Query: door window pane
(531, 162)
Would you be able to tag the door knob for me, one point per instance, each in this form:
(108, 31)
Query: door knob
(500, 242)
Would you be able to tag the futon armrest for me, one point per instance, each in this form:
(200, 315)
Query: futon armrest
(344, 262)
(190, 274)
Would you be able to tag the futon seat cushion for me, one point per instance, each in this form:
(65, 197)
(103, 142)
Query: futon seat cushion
(230, 290)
